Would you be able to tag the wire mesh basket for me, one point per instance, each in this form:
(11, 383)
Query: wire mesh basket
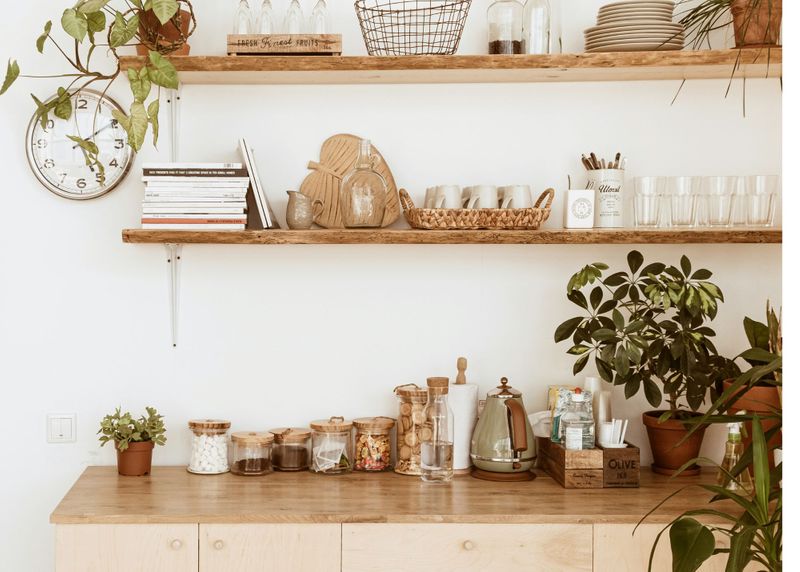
(412, 27)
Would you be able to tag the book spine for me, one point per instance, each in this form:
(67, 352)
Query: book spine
(195, 218)
(197, 173)
(192, 211)
(192, 166)
(148, 226)
(240, 205)
(190, 181)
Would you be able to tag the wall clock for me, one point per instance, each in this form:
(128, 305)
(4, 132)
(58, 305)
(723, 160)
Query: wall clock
(59, 163)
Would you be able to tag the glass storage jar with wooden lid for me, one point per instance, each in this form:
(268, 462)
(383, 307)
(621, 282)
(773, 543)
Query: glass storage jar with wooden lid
(291, 450)
(252, 453)
(410, 428)
(373, 443)
(209, 446)
(332, 446)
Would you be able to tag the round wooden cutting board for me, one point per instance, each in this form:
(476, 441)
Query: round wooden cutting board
(337, 157)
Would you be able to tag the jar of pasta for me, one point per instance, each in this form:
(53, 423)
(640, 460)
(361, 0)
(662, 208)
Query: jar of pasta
(410, 427)
(332, 446)
(373, 443)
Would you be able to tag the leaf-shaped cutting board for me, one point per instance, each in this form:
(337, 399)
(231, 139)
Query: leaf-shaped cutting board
(337, 157)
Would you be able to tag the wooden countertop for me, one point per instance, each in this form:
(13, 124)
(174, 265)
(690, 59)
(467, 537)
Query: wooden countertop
(172, 495)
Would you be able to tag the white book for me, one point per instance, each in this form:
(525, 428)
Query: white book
(148, 226)
(241, 205)
(236, 195)
(209, 166)
(192, 210)
(189, 217)
(268, 219)
(184, 185)
(191, 181)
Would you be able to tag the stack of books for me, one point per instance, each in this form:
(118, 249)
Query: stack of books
(195, 196)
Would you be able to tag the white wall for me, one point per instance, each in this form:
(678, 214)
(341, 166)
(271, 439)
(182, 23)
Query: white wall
(283, 335)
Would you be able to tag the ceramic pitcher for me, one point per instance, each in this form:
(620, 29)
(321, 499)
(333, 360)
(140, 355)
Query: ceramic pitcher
(300, 211)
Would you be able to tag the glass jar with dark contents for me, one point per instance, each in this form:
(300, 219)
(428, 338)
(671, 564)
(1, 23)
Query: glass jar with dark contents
(505, 27)
(251, 453)
(291, 450)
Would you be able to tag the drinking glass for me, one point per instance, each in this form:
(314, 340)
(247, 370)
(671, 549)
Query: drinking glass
(762, 192)
(739, 202)
(716, 201)
(648, 193)
(682, 192)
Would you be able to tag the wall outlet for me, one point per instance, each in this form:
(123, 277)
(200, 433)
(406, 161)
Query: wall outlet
(61, 427)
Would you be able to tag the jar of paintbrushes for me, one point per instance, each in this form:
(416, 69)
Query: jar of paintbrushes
(607, 179)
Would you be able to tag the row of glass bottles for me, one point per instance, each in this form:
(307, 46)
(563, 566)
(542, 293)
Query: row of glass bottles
(532, 29)
(294, 22)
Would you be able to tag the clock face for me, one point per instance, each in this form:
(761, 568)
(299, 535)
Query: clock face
(59, 163)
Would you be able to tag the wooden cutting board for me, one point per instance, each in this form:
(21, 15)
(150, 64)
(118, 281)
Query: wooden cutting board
(337, 157)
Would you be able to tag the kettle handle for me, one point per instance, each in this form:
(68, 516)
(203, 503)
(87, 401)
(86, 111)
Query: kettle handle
(516, 423)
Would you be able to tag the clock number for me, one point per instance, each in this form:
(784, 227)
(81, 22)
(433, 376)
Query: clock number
(63, 178)
(50, 125)
(49, 164)
(99, 177)
(82, 104)
(81, 183)
(119, 144)
(114, 123)
(113, 163)
(41, 144)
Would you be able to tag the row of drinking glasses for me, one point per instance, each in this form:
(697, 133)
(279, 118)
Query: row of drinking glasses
(705, 201)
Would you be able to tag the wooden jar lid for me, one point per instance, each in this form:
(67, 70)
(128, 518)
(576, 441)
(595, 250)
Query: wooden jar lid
(411, 391)
(290, 434)
(374, 423)
(252, 437)
(332, 424)
(440, 385)
(209, 424)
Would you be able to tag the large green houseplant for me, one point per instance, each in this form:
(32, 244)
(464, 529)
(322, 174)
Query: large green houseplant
(133, 438)
(647, 329)
(160, 26)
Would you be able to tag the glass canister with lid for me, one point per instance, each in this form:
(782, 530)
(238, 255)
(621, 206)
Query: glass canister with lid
(209, 446)
(332, 446)
(411, 430)
(251, 453)
(291, 450)
(373, 443)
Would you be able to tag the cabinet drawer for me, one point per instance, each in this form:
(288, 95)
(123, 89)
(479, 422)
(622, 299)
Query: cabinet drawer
(466, 547)
(126, 548)
(270, 547)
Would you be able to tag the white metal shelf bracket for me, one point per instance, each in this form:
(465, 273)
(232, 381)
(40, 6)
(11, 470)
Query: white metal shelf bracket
(174, 102)
(174, 269)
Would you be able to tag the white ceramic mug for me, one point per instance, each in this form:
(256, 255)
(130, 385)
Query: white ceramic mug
(516, 197)
(430, 197)
(448, 197)
(483, 197)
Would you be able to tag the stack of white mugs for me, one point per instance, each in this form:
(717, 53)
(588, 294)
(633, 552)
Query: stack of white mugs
(479, 197)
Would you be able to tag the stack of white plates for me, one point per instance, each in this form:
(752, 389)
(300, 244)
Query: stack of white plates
(635, 26)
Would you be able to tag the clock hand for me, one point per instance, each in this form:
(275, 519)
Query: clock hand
(94, 134)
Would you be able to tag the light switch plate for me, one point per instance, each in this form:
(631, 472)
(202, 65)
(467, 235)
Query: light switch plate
(61, 427)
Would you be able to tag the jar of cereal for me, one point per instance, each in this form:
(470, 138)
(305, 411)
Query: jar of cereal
(373, 443)
(410, 428)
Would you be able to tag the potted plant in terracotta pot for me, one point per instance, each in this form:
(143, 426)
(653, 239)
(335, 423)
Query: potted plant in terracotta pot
(756, 23)
(647, 330)
(134, 439)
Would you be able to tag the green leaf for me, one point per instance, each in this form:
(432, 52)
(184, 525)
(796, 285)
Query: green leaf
(123, 119)
(43, 38)
(604, 335)
(152, 112)
(686, 265)
(43, 110)
(123, 32)
(621, 364)
(138, 125)
(12, 73)
(596, 297)
(162, 72)
(565, 330)
(603, 368)
(96, 21)
(63, 109)
(91, 6)
(635, 260)
(741, 553)
(577, 298)
(653, 269)
(140, 84)
(652, 392)
(757, 334)
(600, 265)
(761, 478)
(85, 144)
(616, 279)
(702, 274)
(164, 9)
(632, 387)
(578, 349)
(580, 363)
(74, 24)
(692, 544)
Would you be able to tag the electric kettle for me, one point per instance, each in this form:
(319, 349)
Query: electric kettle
(503, 447)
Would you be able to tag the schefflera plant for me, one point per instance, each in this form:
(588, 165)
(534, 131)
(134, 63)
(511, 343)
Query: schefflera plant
(647, 329)
(93, 24)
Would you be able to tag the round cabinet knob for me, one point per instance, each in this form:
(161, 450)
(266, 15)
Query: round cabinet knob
(468, 545)
(176, 544)
(219, 545)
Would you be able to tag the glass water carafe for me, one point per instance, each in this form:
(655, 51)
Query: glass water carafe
(437, 444)
(265, 24)
(318, 22)
(362, 198)
(293, 23)
(243, 23)
(536, 29)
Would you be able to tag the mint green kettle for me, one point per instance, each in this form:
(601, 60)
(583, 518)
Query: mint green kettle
(503, 438)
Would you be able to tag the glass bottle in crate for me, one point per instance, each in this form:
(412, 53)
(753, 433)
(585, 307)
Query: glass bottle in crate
(362, 198)
(332, 446)
(243, 23)
(251, 453)
(318, 21)
(437, 450)
(505, 27)
(293, 23)
(411, 428)
(536, 27)
(578, 423)
(265, 24)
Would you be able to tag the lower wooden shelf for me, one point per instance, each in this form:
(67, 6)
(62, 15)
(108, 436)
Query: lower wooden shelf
(595, 236)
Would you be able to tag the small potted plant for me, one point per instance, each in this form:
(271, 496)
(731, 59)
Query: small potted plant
(134, 439)
(647, 329)
(756, 23)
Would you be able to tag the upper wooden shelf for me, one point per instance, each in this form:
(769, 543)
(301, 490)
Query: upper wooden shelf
(629, 66)
(612, 236)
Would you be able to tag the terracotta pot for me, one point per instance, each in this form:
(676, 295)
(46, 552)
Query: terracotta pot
(758, 399)
(664, 437)
(149, 25)
(757, 22)
(136, 460)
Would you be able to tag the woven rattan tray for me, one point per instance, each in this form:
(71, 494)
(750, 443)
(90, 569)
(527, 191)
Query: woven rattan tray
(475, 219)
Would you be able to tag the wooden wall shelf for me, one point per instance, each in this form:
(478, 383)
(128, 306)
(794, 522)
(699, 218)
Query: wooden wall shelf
(631, 66)
(621, 236)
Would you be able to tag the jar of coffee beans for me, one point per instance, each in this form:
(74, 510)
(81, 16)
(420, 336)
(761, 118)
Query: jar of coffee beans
(251, 453)
(505, 27)
(291, 450)
(411, 428)
(373, 443)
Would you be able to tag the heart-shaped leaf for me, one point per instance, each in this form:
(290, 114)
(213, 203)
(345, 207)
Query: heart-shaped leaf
(152, 112)
(43, 38)
(74, 24)
(63, 109)
(140, 84)
(164, 9)
(139, 123)
(12, 73)
(692, 544)
(91, 6)
(162, 72)
(96, 21)
(123, 32)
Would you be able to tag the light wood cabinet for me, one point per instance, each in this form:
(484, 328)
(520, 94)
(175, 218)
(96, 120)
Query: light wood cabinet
(126, 548)
(270, 547)
(466, 547)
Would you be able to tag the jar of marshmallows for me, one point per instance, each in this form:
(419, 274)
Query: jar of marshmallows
(209, 446)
